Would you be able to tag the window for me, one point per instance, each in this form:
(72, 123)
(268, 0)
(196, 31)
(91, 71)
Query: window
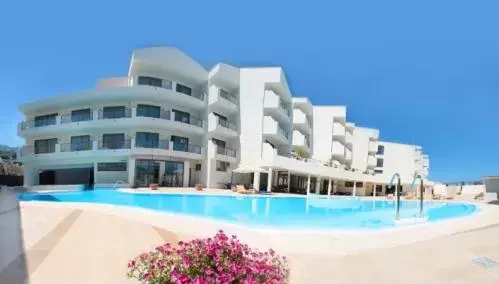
(147, 140)
(379, 163)
(182, 116)
(198, 167)
(45, 146)
(81, 115)
(180, 143)
(113, 112)
(360, 184)
(148, 111)
(113, 141)
(348, 184)
(81, 143)
(111, 167)
(222, 120)
(378, 171)
(218, 142)
(183, 89)
(150, 81)
(45, 120)
(222, 166)
(381, 150)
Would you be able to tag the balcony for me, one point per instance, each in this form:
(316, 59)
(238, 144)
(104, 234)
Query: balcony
(115, 145)
(222, 101)
(274, 132)
(221, 127)
(373, 147)
(164, 85)
(77, 147)
(301, 140)
(226, 154)
(274, 106)
(339, 131)
(371, 162)
(126, 113)
(349, 139)
(301, 121)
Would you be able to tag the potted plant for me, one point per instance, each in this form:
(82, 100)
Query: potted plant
(198, 187)
(153, 186)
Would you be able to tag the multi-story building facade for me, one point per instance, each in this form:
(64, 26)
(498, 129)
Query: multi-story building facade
(170, 121)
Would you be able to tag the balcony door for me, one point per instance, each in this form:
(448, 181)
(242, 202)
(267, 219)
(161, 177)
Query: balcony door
(147, 140)
(174, 174)
(180, 143)
(182, 116)
(113, 141)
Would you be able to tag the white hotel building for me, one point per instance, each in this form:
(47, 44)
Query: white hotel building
(172, 122)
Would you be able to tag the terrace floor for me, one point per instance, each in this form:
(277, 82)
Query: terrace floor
(44, 244)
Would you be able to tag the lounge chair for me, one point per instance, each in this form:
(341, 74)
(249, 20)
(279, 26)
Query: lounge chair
(242, 190)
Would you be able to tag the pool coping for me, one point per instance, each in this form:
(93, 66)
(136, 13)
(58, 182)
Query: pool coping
(290, 240)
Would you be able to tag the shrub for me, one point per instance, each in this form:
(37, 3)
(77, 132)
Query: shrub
(212, 260)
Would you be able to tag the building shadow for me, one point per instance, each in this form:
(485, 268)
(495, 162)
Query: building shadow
(13, 263)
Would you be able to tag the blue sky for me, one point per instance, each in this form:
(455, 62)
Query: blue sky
(423, 72)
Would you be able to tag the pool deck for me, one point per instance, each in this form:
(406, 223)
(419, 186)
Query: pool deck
(90, 243)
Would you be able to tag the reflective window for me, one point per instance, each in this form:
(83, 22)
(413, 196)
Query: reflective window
(379, 163)
(113, 141)
(111, 167)
(147, 140)
(45, 120)
(149, 81)
(222, 166)
(81, 143)
(114, 112)
(183, 89)
(182, 116)
(148, 111)
(381, 150)
(180, 143)
(81, 115)
(45, 146)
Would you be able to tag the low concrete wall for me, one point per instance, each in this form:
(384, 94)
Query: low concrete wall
(54, 187)
(492, 186)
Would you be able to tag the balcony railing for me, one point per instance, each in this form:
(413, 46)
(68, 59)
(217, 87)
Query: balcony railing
(187, 148)
(226, 151)
(226, 124)
(283, 132)
(69, 118)
(32, 123)
(153, 144)
(198, 94)
(192, 120)
(127, 113)
(285, 108)
(163, 114)
(114, 145)
(226, 96)
(75, 147)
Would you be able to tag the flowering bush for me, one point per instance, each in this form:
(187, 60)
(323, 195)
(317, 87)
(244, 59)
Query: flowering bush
(213, 260)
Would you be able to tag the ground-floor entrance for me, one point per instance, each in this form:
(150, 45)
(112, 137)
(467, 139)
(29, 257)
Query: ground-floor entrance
(152, 171)
(67, 176)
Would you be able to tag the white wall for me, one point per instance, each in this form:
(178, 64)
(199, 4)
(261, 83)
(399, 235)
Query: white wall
(360, 149)
(323, 130)
(399, 158)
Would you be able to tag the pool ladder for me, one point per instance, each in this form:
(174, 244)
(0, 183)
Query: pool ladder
(399, 188)
(118, 182)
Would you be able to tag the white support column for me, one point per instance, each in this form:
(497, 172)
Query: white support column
(335, 186)
(161, 171)
(354, 188)
(318, 186)
(131, 171)
(308, 185)
(269, 180)
(289, 180)
(374, 190)
(186, 174)
(329, 188)
(256, 181)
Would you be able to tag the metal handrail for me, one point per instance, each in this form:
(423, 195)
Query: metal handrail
(152, 144)
(397, 193)
(189, 148)
(75, 147)
(226, 151)
(115, 145)
(225, 95)
(127, 114)
(226, 124)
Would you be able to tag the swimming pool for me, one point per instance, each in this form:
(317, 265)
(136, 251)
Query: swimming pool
(267, 211)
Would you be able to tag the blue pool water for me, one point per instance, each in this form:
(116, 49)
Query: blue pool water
(266, 211)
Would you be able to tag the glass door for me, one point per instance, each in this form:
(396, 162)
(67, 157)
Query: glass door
(174, 174)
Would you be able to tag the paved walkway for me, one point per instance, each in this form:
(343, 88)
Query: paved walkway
(65, 245)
